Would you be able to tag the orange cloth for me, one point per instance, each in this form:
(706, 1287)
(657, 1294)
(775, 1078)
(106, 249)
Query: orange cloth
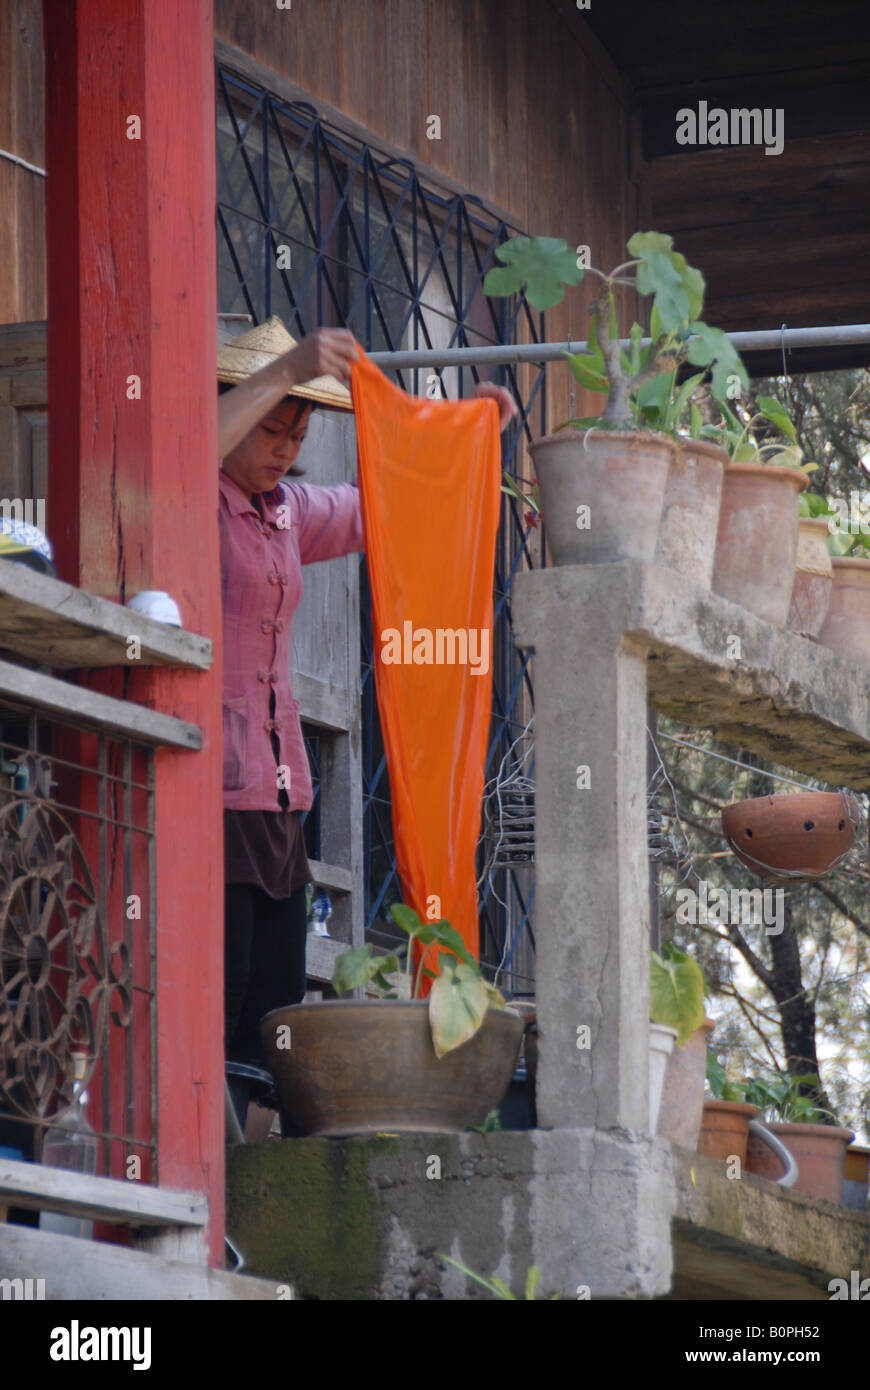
(430, 484)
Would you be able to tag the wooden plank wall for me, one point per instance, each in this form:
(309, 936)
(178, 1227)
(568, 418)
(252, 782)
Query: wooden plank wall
(22, 193)
(535, 119)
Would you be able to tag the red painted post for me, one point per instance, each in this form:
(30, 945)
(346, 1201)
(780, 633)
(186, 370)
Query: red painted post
(130, 155)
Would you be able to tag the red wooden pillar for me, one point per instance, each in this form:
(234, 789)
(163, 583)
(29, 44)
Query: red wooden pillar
(130, 156)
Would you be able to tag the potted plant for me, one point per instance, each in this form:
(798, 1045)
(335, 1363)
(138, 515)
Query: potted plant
(725, 1124)
(399, 1062)
(814, 572)
(846, 628)
(757, 537)
(856, 1175)
(677, 989)
(603, 480)
(796, 836)
(818, 1148)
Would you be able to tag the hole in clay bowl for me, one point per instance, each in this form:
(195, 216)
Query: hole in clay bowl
(749, 834)
(808, 824)
(840, 826)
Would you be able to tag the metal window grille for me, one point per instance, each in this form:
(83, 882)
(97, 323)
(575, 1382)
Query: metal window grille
(77, 939)
(326, 231)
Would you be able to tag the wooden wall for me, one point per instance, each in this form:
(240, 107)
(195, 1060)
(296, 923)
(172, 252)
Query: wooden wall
(22, 193)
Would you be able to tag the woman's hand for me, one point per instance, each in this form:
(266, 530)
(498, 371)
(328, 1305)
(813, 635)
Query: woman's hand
(507, 407)
(325, 352)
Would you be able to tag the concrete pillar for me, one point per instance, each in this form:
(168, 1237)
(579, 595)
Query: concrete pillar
(592, 901)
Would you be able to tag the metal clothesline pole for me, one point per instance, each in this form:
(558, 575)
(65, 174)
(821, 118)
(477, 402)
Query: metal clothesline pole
(843, 335)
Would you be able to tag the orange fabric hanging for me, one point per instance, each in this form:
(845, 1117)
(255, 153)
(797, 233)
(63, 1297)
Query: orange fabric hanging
(430, 480)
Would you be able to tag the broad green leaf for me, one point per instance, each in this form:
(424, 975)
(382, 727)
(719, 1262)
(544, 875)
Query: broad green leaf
(747, 452)
(693, 283)
(716, 1075)
(592, 345)
(448, 936)
(710, 347)
(357, 967)
(457, 1007)
(677, 995)
(583, 369)
(643, 244)
(658, 276)
(654, 393)
(542, 264)
(405, 917)
(777, 414)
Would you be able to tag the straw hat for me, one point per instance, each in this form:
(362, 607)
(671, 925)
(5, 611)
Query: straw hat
(258, 347)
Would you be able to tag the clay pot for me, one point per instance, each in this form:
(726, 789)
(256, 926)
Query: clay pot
(819, 1150)
(690, 515)
(620, 475)
(756, 544)
(661, 1045)
(725, 1130)
(800, 836)
(682, 1102)
(846, 628)
(855, 1177)
(813, 578)
(360, 1067)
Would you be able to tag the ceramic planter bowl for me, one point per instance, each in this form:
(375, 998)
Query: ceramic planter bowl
(813, 578)
(820, 1153)
(682, 1103)
(756, 543)
(846, 628)
(725, 1130)
(360, 1067)
(620, 475)
(661, 1045)
(690, 515)
(797, 837)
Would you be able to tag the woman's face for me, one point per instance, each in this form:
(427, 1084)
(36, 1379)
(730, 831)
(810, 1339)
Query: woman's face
(270, 448)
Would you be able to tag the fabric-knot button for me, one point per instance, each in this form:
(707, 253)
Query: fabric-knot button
(272, 724)
(266, 676)
(268, 625)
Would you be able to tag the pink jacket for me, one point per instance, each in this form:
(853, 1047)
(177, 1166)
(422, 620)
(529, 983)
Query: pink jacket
(261, 582)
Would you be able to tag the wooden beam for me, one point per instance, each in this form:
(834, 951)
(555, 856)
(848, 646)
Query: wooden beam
(61, 626)
(123, 1203)
(131, 191)
(88, 709)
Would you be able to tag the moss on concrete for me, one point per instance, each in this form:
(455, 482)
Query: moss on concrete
(303, 1212)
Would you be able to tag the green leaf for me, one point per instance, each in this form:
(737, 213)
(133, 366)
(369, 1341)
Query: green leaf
(654, 393)
(457, 1006)
(689, 385)
(533, 1279)
(677, 994)
(357, 967)
(696, 422)
(777, 414)
(584, 369)
(655, 324)
(635, 334)
(716, 1075)
(542, 264)
(643, 244)
(658, 276)
(405, 917)
(503, 1290)
(448, 936)
(710, 347)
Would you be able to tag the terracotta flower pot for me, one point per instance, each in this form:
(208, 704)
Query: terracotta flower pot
(819, 1150)
(813, 578)
(690, 515)
(620, 475)
(682, 1102)
(725, 1130)
(846, 628)
(856, 1172)
(756, 544)
(800, 836)
(359, 1067)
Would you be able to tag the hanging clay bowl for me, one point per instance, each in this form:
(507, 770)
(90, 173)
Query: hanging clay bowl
(813, 578)
(800, 836)
(756, 544)
(846, 628)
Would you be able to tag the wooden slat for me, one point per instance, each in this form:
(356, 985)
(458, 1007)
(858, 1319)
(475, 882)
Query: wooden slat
(80, 1271)
(39, 1188)
(85, 708)
(331, 876)
(55, 624)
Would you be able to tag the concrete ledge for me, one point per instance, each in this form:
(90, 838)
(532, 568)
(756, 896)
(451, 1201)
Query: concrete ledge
(786, 698)
(748, 1238)
(368, 1218)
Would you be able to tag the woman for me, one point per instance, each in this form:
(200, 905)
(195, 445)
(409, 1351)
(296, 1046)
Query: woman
(269, 529)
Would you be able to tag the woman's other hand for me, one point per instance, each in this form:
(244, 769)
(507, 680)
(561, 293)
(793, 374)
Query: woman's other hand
(326, 352)
(507, 407)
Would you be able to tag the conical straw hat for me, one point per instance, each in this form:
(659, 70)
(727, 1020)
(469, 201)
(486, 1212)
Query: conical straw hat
(259, 346)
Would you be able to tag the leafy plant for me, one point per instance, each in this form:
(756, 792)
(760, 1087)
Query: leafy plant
(739, 436)
(459, 997)
(677, 989)
(498, 1287)
(544, 265)
(781, 1098)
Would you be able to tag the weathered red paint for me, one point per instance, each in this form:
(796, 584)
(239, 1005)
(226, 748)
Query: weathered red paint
(132, 292)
